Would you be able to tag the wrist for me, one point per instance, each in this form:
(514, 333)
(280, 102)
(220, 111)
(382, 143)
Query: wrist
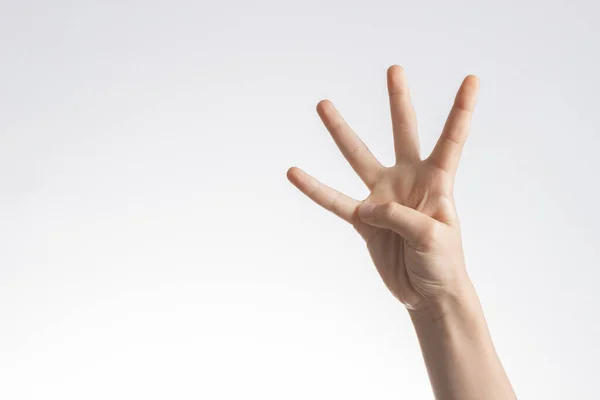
(459, 303)
(457, 347)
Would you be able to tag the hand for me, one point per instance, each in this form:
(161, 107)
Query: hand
(409, 220)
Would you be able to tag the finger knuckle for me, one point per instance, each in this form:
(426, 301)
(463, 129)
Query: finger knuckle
(390, 211)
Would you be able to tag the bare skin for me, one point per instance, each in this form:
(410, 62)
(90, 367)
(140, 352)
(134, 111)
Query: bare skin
(412, 231)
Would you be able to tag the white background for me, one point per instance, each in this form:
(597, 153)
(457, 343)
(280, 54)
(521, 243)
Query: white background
(151, 246)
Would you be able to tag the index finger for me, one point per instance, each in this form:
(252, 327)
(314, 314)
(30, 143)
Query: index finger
(447, 151)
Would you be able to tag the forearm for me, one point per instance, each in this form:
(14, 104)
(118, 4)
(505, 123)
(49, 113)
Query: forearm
(461, 360)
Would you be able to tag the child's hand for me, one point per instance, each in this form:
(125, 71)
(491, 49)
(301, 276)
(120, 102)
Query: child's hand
(409, 221)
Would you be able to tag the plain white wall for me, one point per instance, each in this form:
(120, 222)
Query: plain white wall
(151, 247)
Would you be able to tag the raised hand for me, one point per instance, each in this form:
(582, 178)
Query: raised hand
(409, 220)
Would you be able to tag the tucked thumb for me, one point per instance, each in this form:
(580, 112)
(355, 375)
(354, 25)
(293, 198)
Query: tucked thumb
(407, 222)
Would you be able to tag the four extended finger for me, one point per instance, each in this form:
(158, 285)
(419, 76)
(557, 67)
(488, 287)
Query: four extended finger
(404, 120)
(332, 200)
(352, 147)
(447, 151)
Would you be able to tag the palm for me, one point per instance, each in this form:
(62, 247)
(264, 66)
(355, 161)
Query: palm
(407, 270)
(410, 270)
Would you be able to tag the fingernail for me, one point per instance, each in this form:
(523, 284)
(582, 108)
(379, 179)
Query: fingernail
(366, 210)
